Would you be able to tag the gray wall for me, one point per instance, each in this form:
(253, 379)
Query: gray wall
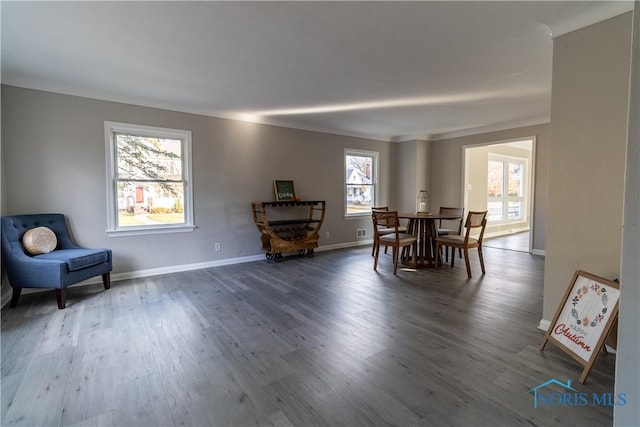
(628, 358)
(447, 171)
(589, 110)
(413, 164)
(4, 285)
(2, 181)
(54, 161)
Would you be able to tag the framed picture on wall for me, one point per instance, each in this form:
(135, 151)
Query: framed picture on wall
(285, 190)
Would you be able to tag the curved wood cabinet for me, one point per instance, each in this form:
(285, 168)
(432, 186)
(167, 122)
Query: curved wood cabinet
(289, 226)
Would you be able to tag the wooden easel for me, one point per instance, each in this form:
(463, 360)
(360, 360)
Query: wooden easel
(588, 298)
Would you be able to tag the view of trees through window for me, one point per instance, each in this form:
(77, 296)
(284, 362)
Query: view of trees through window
(359, 183)
(505, 189)
(150, 185)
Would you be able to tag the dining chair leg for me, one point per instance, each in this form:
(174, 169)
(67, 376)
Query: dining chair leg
(453, 258)
(481, 259)
(375, 259)
(437, 260)
(407, 252)
(466, 261)
(415, 254)
(395, 259)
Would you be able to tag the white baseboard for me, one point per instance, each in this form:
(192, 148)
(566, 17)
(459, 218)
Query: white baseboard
(209, 264)
(344, 245)
(540, 252)
(544, 324)
(179, 268)
(183, 267)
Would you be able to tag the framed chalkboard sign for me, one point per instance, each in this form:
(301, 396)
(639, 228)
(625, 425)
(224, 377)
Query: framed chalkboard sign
(584, 318)
(285, 190)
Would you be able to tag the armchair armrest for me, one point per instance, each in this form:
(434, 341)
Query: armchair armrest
(32, 273)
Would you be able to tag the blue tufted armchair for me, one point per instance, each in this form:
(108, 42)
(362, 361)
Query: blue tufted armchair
(62, 267)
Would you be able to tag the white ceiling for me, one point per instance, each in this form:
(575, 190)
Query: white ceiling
(384, 70)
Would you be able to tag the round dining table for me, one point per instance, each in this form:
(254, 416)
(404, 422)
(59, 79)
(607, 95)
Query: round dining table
(423, 225)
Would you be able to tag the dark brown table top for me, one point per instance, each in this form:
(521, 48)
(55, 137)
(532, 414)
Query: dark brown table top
(425, 215)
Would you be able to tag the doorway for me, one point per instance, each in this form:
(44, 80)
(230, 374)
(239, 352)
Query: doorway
(499, 178)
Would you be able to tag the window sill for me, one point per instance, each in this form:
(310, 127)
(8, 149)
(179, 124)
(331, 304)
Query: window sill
(137, 231)
(358, 216)
(500, 222)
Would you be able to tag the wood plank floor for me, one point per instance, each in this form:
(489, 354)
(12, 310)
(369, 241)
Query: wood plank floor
(322, 341)
(513, 242)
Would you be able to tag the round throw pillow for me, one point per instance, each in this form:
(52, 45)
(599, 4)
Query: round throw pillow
(39, 240)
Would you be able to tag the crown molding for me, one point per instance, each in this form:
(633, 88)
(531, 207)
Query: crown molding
(593, 15)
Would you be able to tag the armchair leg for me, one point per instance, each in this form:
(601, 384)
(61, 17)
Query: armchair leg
(15, 296)
(106, 280)
(61, 297)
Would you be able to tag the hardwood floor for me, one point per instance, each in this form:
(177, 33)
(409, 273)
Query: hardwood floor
(513, 242)
(322, 341)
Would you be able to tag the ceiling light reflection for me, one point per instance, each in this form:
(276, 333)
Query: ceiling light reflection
(389, 103)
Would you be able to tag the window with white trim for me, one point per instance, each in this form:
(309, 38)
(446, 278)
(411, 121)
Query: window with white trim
(361, 168)
(506, 188)
(149, 186)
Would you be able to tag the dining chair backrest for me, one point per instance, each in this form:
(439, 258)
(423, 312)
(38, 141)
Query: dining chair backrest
(459, 212)
(381, 224)
(386, 219)
(451, 211)
(476, 220)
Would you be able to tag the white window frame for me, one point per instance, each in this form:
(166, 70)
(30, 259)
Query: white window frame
(505, 198)
(111, 128)
(374, 178)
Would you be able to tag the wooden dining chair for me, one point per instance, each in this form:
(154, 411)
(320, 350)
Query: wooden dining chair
(382, 228)
(450, 226)
(396, 239)
(475, 221)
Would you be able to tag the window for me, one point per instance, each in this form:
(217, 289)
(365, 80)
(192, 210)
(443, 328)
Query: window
(506, 189)
(360, 181)
(148, 179)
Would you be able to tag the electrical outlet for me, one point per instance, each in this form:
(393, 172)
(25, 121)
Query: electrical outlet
(327, 235)
(217, 246)
(361, 232)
